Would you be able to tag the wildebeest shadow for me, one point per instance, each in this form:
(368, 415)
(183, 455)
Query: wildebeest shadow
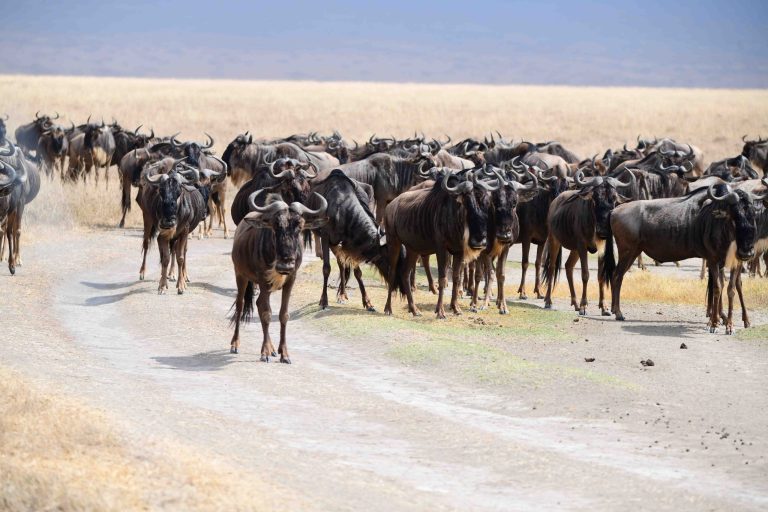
(218, 290)
(102, 300)
(211, 361)
(676, 329)
(108, 286)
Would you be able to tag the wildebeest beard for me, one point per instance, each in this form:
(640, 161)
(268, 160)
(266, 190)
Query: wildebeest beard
(286, 228)
(169, 193)
(603, 199)
(193, 151)
(504, 223)
(478, 205)
(743, 215)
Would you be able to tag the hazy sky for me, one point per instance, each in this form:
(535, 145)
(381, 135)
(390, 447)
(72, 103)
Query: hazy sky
(700, 43)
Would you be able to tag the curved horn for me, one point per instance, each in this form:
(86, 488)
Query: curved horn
(88, 121)
(136, 131)
(661, 151)
(37, 115)
(483, 184)
(266, 210)
(305, 167)
(579, 179)
(175, 142)
(8, 170)
(730, 195)
(209, 144)
(282, 174)
(532, 185)
(156, 177)
(616, 183)
(306, 212)
(461, 188)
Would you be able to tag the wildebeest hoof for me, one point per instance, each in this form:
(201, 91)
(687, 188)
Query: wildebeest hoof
(606, 313)
(12, 270)
(547, 306)
(285, 360)
(161, 291)
(180, 292)
(473, 309)
(523, 296)
(503, 312)
(172, 279)
(620, 317)
(582, 312)
(233, 350)
(141, 277)
(264, 358)
(370, 308)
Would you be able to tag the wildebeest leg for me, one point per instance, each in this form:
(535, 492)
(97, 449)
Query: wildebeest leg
(265, 315)
(731, 294)
(428, 272)
(410, 262)
(458, 263)
(537, 277)
(744, 314)
(501, 268)
(125, 199)
(626, 258)
(526, 246)
(442, 282)
(283, 347)
(222, 211)
(469, 277)
(318, 251)
(570, 263)
(10, 227)
(553, 248)
(242, 284)
(584, 281)
(163, 245)
(703, 268)
(601, 284)
(323, 244)
(17, 243)
(341, 292)
(640, 263)
(148, 226)
(475, 284)
(366, 300)
(172, 270)
(393, 254)
(2, 239)
(715, 295)
(181, 262)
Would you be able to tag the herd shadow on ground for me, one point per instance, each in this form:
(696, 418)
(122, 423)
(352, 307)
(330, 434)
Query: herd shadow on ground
(211, 361)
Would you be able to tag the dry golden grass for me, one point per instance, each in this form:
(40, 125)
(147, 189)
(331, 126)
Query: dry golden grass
(586, 119)
(57, 454)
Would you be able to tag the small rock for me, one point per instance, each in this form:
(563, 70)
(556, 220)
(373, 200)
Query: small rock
(589, 359)
(683, 346)
(659, 312)
(575, 320)
(647, 362)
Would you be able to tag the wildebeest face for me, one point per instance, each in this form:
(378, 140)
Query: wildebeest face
(478, 205)
(504, 214)
(756, 151)
(192, 151)
(92, 134)
(743, 214)
(236, 147)
(169, 193)
(286, 227)
(604, 199)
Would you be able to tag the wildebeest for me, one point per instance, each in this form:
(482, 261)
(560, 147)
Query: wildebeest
(351, 233)
(729, 169)
(503, 230)
(757, 153)
(91, 148)
(28, 135)
(267, 252)
(443, 220)
(19, 187)
(52, 148)
(126, 141)
(172, 206)
(579, 220)
(716, 224)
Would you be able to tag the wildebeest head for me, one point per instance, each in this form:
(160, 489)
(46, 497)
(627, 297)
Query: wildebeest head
(292, 178)
(738, 207)
(44, 122)
(285, 222)
(505, 200)
(756, 151)
(92, 134)
(169, 192)
(57, 136)
(603, 193)
(3, 128)
(192, 150)
(236, 147)
(338, 147)
(475, 195)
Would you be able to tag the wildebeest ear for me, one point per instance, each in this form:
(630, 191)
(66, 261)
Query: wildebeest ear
(525, 196)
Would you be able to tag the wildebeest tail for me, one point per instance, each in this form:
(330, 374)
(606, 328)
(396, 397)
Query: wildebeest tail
(609, 262)
(247, 313)
(545, 275)
(307, 239)
(402, 274)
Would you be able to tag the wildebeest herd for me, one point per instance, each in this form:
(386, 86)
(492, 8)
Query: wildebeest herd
(392, 203)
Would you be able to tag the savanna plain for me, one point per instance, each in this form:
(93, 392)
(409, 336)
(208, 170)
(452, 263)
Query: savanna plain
(113, 397)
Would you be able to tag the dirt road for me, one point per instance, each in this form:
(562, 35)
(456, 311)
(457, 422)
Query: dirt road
(349, 427)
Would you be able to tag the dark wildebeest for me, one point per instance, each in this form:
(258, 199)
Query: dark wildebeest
(732, 169)
(267, 252)
(579, 220)
(126, 141)
(444, 219)
(503, 230)
(200, 157)
(676, 150)
(28, 135)
(389, 176)
(351, 233)
(52, 149)
(716, 224)
(532, 218)
(20, 186)
(757, 153)
(92, 148)
(130, 168)
(286, 176)
(172, 207)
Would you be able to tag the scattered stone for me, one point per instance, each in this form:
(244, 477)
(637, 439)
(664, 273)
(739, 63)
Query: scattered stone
(575, 320)
(683, 346)
(589, 359)
(647, 362)
(659, 312)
